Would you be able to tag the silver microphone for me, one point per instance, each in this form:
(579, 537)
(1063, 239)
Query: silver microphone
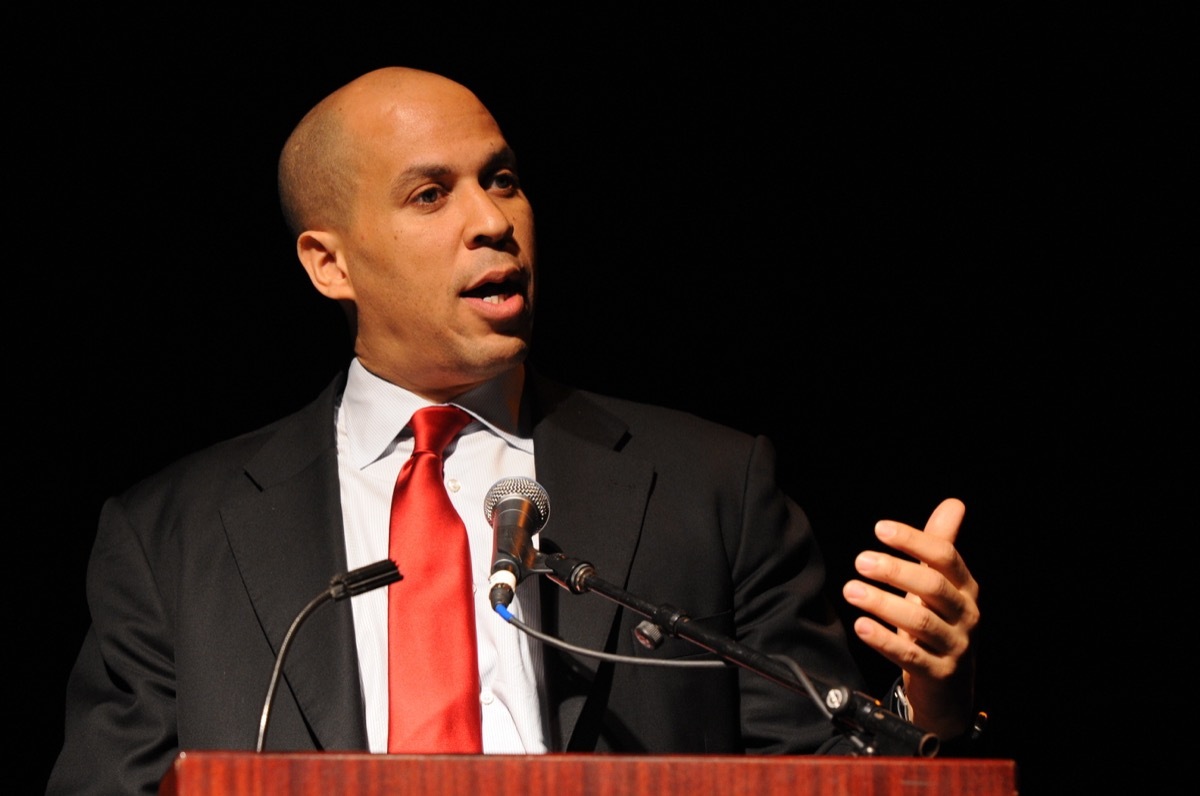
(517, 508)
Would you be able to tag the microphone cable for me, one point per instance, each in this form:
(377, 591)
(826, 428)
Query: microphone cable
(604, 656)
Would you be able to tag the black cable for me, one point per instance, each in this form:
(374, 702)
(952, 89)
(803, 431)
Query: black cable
(604, 656)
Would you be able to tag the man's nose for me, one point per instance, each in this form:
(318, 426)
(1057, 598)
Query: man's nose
(487, 223)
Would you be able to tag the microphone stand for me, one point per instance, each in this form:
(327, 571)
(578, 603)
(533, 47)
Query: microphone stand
(871, 728)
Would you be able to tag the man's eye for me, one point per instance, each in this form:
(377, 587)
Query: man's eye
(429, 195)
(506, 181)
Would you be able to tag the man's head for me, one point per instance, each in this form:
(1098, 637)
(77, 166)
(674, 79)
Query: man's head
(404, 198)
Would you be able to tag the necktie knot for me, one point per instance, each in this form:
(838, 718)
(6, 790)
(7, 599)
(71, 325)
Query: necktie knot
(434, 426)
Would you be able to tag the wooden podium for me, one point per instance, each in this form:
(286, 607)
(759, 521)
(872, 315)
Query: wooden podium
(208, 773)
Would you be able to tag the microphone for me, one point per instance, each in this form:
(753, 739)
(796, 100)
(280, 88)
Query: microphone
(517, 508)
(347, 584)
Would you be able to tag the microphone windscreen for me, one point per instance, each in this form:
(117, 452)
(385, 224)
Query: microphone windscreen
(527, 488)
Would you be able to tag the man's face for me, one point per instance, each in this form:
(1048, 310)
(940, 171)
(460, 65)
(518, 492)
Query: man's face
(440, 247)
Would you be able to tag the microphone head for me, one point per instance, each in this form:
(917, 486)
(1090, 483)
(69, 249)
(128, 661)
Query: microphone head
(518, 487)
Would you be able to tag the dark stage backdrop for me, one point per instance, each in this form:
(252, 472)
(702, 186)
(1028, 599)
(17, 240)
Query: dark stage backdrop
(929, 252)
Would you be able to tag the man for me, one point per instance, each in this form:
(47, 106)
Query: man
(407, 209)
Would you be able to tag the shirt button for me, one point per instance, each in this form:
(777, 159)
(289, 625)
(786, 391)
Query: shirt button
(487, 697)
(453, 485)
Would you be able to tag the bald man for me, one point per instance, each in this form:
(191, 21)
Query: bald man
(408, 210)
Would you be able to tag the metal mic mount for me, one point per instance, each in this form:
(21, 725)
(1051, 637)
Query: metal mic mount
(870, 727)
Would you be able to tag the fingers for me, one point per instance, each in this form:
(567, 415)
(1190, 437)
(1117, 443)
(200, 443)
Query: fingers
(922, 636)
(945, 520)
(948, 591)
(935, 611)
(926, 592)
(933, 548)
(902, 652)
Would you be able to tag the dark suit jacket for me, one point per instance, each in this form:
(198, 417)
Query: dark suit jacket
(198, 572)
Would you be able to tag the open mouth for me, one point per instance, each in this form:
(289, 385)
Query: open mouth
(496, 292)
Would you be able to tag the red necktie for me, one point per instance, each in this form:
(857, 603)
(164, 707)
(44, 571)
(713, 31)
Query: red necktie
(433, 668)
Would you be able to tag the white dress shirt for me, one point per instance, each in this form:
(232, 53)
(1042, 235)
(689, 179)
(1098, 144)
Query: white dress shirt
(372, 446)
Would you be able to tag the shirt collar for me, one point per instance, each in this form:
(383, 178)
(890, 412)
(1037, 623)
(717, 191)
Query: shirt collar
(375, 412)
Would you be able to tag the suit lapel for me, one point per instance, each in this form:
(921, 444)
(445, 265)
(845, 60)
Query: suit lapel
(597, 500)
(287, 538)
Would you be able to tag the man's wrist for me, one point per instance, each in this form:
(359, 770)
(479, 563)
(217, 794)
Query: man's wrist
(970, 743)
(967, 744)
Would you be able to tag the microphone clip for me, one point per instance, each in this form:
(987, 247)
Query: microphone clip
(876, 730)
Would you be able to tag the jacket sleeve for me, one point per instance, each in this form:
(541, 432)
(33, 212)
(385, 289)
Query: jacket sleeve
(119, 731)
(781, 608)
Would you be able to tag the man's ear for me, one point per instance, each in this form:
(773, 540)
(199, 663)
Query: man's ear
(319, 254)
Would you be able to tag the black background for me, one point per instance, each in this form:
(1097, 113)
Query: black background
(929, 251)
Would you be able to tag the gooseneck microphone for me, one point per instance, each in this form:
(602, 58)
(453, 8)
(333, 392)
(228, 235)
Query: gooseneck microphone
(347, 584)
(517, 508)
